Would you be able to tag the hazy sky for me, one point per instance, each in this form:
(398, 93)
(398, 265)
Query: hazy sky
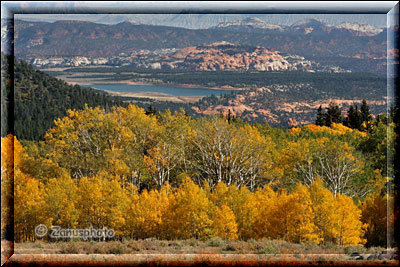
(207, 20)
(199, 20)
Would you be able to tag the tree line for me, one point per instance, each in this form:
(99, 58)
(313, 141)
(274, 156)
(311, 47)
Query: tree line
(356, 118)
(129, 170)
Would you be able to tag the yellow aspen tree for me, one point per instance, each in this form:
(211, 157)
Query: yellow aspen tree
(250, 210)
(349, 228)
(116, 164)
(237, 199)
(38, 165)
(323, 207)
(60, 200)
(169, 154)
(374, 213)
(334, 129)
(28, 192)
(219, 196)
(12, 155)
(133, 197)
(144, 129)
(296, 216)
(29, 208)
(189, 213)
(115, 204)
(165, 195)
(159, 163)
(82, 141)
(147, 214)
(224, 224)
(240, 202)
(262, 213)
(89, 203)
(168, 227)
(180, 130)
(289, 157)
(102, 203)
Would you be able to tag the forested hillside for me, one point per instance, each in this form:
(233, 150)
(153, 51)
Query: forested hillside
(40, 98)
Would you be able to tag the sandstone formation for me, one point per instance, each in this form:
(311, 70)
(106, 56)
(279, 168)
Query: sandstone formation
(227, 56)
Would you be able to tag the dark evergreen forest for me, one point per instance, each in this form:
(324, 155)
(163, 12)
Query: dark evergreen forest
(38, 98)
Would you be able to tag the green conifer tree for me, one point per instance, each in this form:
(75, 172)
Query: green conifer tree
(320, 121)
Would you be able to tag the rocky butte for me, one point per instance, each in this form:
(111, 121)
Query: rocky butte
(225, 56)
(228, 56)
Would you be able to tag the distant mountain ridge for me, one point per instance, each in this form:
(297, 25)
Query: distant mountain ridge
(362, 27)
(304, 26)
(79, 38)
(249, 22)
(41, 37)
(129, 22)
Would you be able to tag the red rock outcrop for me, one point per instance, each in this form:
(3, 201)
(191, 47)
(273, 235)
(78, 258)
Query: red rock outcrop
(225, 56)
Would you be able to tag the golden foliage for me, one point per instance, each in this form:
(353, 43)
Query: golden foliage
(323, 207)
(224, 223)
(189, 213)
(295, 217)
(29, 208)
(60, 199)
(349, 229)
(334, 129)
(96, 163)
(375, 215)
(146, 213)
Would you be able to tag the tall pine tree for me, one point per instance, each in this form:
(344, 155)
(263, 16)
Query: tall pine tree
(333, 114)
(320, 121)
(366, 115)
(353, 119)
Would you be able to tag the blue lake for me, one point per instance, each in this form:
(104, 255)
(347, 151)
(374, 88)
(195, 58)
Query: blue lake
(170, 90)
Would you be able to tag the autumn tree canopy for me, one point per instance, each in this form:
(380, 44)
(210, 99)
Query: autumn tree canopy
(170, 176)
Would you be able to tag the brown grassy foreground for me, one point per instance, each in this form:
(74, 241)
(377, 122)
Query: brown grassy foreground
(151, 252)
(191, 246)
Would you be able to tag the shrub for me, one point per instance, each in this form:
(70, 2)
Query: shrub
(75, 247)
(134, 245)
(115, 248)
(215, 242)
(357, 248)
(269, 247)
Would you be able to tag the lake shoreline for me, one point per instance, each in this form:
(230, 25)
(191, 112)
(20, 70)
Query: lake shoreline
(182, 94)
